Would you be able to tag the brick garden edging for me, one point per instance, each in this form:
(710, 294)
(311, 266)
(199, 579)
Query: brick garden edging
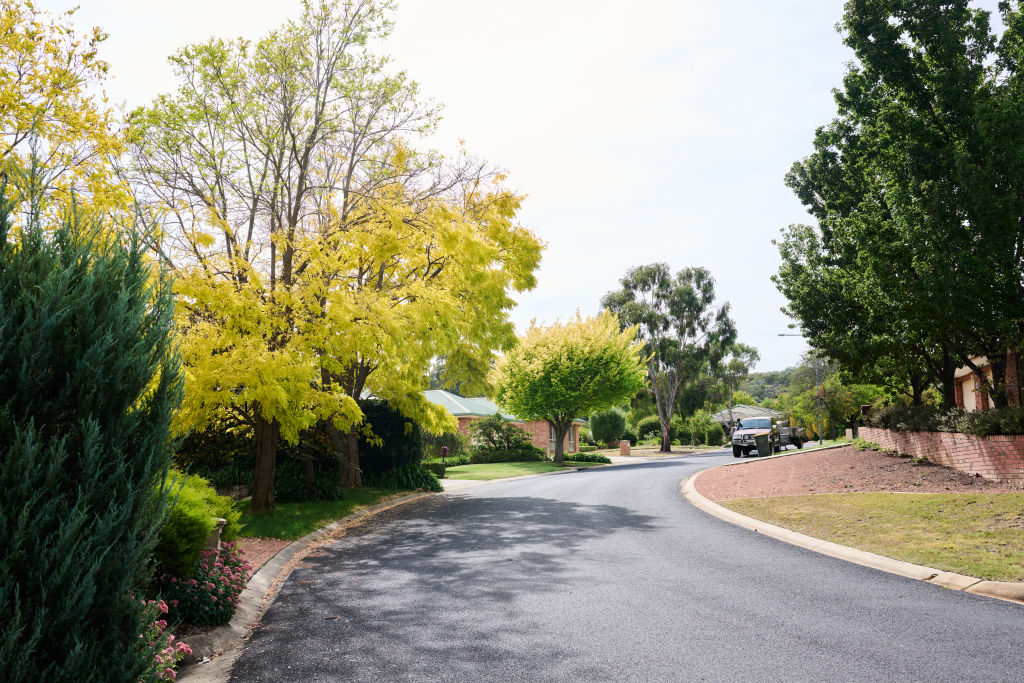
(1000, 458)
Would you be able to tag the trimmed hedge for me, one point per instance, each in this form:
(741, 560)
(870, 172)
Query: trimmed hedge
(587, 457)
(528, 453)
(436, 467)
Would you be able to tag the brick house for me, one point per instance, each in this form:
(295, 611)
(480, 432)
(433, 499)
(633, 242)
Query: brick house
(466, 410)
(970, 392)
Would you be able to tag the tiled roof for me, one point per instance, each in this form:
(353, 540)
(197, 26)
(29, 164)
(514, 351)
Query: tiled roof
(741, 411)
(460, 406)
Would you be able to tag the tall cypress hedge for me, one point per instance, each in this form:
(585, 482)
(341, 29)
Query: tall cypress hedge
(89, 379)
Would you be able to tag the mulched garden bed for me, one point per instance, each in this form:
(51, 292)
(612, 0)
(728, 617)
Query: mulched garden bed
(839, 470)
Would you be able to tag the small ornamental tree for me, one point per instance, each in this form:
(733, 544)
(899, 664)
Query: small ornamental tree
(89, 380)
(566, 371)
(607, 425)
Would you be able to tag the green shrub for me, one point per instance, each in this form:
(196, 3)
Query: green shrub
(457, 444)
(402, 440)
(714, 436)
(451, 462)
(494, 432)
(408, 478)
(89, 382)
(436, 467)
(195, 505)
(217, 448)
(926, 418)
(587, 457)
(628, 434)
(647, 427)
(586, 437)
(584, 448)
(607, 426)
(864, 445)
(527, 453)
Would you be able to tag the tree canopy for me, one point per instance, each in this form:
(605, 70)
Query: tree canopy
(319, 256)
(569, 370)
(916, 265)
(684, 333)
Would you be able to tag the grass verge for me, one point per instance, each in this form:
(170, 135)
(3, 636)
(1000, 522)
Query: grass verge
(294, 520)
(973, 534)
(500, 470)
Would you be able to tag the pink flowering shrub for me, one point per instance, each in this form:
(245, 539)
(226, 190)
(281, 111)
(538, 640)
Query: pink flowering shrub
(210, 596)
(168, 652)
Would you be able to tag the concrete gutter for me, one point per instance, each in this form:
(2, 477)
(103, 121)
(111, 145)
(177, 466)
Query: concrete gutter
(218, 647)
(1002, 590)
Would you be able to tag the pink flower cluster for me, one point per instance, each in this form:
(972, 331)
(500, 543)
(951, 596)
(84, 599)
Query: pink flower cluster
(167, 657)
(211, 595)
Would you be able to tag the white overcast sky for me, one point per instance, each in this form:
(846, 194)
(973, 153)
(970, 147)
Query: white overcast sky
(643, 131)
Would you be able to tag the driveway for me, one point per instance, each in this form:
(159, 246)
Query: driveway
(609, 574)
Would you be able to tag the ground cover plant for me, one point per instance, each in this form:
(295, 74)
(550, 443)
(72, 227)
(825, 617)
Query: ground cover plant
(208, 596)
(973, 534)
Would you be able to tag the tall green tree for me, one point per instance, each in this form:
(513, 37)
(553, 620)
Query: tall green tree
(569, 370)
(89, 382)
(917, 259)
(683, 331)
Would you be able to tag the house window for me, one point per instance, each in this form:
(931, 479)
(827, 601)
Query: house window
(572, 439)
(551, 439)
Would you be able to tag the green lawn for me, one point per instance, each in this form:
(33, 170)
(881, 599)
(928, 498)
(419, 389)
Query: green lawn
(973, 534)
(294, 520)
(500, 470)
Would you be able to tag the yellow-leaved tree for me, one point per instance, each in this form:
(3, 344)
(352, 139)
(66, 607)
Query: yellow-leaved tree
(319, 258)
(569, 370)
(53, 115)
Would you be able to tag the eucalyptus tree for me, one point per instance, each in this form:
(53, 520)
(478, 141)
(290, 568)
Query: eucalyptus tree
(682, 328)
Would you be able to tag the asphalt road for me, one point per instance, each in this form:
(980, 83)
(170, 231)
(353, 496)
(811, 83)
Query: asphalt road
(610, 574)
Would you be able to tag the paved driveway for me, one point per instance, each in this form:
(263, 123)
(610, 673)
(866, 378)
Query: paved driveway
(609, 574)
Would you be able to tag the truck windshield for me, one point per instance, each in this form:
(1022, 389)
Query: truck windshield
(756, 423)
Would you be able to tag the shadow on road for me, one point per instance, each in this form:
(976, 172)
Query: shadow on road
(438, 581)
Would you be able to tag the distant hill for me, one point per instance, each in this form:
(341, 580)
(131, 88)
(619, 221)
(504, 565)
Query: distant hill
(762, 385)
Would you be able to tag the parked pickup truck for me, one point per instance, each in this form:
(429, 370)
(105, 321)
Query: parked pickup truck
(773, 436)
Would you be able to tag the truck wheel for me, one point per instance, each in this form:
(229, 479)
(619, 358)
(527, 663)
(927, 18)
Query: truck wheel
(799, 443)
(737, 452)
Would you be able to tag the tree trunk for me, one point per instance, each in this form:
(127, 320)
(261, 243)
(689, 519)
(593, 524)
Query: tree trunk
(267, 434)
(346, 450)
(666, 441)
(560, 432)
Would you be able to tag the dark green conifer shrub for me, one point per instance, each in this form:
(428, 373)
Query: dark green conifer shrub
(89, 379)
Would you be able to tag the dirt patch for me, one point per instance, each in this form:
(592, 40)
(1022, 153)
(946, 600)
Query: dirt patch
(839, 470)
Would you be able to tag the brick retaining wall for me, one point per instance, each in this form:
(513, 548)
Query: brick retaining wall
(1000, 458)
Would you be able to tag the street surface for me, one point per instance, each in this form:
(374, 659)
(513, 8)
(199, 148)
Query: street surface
(611, 575)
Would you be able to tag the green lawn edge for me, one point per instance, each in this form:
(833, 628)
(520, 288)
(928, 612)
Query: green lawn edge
(503, 470)
(973, 534)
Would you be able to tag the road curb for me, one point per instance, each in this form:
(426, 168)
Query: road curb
(1002, 590)
(260, 593)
